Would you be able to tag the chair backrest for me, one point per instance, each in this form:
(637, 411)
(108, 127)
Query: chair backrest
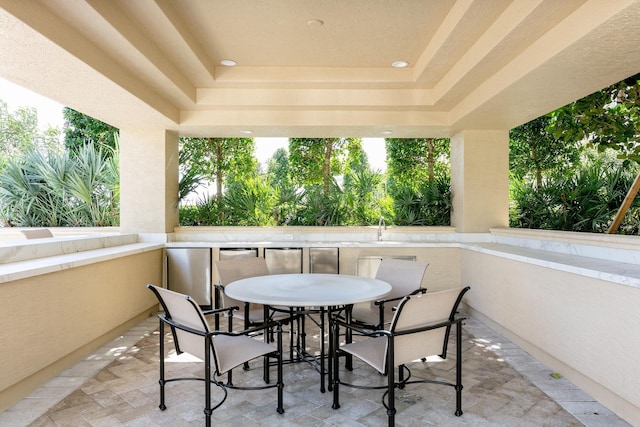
(423, 310)
(38, 233)
(230, 270)
(183, 310)
(404, 276)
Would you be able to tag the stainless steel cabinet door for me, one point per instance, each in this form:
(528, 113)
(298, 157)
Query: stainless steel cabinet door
(283, 260)
(323, 260)
(189, 272)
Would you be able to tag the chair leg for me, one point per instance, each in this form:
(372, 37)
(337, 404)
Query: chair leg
(322, 350)
(265, 363)
(207, 381)
(458, 369)
(331, 350)
(336, 361)
(162, 381)
(280, 408)
(391, 404)
(348, 338)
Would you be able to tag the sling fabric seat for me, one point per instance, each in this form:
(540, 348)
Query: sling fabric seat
(404, 276)
(221, 351)
(420, 328)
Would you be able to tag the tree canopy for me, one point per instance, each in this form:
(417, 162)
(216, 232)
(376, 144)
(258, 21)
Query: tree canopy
(80, 130)
(19, 132)
(534, 150)
(608, 118)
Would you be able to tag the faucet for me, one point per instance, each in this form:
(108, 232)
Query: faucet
(381, 223)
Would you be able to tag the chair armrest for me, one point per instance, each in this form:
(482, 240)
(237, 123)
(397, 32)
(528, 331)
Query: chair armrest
(365, 332)
(384, 301)
(220, 310)
(438, 325)
(272, 324)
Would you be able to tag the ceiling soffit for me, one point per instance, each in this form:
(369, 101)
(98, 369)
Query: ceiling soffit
(471, 62)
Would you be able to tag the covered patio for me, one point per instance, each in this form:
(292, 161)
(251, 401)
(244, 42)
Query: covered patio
(474, 70)
(117, 386)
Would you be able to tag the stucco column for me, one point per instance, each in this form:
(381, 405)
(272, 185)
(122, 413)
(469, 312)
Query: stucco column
(148, 181)
(480, 180)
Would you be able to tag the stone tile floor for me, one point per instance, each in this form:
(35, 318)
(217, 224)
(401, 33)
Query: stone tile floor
(117, 386)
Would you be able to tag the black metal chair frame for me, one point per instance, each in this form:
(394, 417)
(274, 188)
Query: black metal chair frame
(392, 384)
(208, 379)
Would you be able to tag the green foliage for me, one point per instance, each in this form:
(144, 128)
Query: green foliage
(316, 161)
(206, 211)
(55, 190)
(534, 151)
(190, 178)
(19, 133)
(219, 160)
(430, 204)
(80, 130)
(327, 182)
(362, 193)
(606, 119)
(249, 202)
(586, 199)
(410, 162)
(419, 182)
(318, 208)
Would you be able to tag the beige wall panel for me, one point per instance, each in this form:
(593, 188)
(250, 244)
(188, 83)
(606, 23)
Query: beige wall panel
(444, 263)
(480, 180)
(48, 317)
(148, 181)
(584, 327)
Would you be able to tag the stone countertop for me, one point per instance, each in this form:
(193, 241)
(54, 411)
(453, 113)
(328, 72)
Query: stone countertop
(310, 244)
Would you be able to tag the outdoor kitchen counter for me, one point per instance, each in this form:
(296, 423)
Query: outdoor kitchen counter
(24, 259)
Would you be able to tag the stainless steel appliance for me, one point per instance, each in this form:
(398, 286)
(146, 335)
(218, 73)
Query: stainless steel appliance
(324, 260)
(189, 272)
(229, 253)
(283, 260)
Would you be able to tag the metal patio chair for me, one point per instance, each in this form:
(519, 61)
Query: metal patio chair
(221, 351)
(404, 276)
(420, 328)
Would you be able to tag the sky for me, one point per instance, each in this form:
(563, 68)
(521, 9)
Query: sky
(50, 113)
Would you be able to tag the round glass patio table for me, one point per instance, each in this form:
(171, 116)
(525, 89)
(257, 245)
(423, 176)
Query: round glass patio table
(327, 291)
(307, 290)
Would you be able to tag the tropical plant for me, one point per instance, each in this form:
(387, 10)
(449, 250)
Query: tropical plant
(80, 130)
(319, 209)
(219, 160)
(606, 119)
(534, 151)
(249, 202)
(316, 161)
(19, 132)
(583, 200)
(55, 190)
(429, 205)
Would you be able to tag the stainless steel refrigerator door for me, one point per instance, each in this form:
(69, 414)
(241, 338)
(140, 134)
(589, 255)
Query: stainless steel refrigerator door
(368, 265)
(323, 260)
(283, 260)
(229, 253)
(189, 272)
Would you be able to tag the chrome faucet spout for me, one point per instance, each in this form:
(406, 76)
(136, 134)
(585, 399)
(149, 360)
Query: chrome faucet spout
(381, 224)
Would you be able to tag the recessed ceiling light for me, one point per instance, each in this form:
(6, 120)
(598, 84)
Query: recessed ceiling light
(315, 23)
(228, 62)
(386, 132)
(246, 132)
(399, 64)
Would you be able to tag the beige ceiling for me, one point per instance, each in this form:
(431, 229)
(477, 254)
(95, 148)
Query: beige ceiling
(318, 67)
